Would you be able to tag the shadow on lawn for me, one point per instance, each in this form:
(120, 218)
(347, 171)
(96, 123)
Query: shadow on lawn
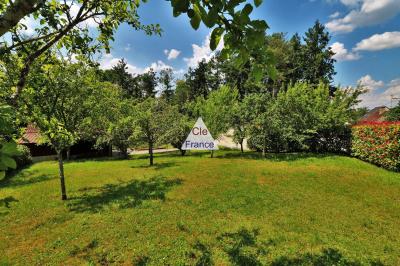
(244, 248)
(24, 177)
(277, 157)
(156, 166)
(328, 257)
(125, 195)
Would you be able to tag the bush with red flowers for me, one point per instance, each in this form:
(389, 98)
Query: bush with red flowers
(378, 143)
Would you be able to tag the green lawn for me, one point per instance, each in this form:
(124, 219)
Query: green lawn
(232, 209)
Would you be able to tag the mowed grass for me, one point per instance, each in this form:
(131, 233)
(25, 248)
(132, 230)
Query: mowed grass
(233, 209)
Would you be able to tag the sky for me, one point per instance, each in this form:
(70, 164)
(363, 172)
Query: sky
(365, 37)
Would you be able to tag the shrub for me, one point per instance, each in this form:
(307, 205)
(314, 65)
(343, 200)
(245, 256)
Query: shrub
(24, 158)
(378, 143)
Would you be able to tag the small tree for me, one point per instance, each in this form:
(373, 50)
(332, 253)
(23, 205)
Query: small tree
(153, 117)
(178, 132)
(57, 105)
(217, 110)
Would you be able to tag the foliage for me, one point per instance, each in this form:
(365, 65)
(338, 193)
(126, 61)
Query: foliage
(24, 157)
(378, 143)
(394, 113)
(8, 148)
(303, 118)
(153, 118)
(129, 84)
(177, 132)
(166, 80)
(216, 111)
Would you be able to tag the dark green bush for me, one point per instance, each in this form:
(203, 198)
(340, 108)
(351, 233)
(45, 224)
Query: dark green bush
(24, 158)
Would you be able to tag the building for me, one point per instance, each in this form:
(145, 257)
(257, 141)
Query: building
(375, 115)
(42, 151)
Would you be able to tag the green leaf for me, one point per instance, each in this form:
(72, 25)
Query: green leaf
(180, 5)
(257, 72)
(10, 148)
(8, 161)
(196, 19)
(216, 38)
(247, 9)
(257, 3)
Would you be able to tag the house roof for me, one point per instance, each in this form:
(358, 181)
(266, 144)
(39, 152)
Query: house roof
(31, 135)
(375, 115)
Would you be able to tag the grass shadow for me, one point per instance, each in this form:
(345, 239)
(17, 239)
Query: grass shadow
(243, 247)
(276, 157)
(125, 195)
(328, 257)
(23, 178)
(156, 166)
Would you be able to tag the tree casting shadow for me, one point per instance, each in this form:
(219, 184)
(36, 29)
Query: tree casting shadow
(126, 195)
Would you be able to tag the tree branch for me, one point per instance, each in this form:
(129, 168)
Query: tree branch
(15, 12)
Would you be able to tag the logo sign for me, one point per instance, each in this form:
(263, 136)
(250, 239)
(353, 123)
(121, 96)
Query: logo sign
(199, 138)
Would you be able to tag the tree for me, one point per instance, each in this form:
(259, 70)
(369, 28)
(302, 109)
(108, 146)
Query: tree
(62, 24)
(181, 95)
(166, 80)
(148, 83)
(127, 82)
(317, 56)
(394, 113)
(178, 131)
(198, 80)
(8, 147)
(153, 117)
(264, 129)
(216, 111)
(57, 105)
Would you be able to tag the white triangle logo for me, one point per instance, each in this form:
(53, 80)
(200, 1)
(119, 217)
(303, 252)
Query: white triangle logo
(199, 138)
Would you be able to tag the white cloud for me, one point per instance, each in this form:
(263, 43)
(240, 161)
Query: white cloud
(158, 66)
(108, 61)
(378, 42)
(364, 13)
(342, 54)
(172, 54)
(369, 83)
(335, 15)
(378, 93)
(203, 52)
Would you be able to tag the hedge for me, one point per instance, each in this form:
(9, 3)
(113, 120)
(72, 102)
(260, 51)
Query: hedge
(378, 143)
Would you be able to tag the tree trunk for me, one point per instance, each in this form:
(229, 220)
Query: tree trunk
(61, 174)
(68, 154)
(241, 145)
(110, 154)
(212, 154)
(151, 152)
(183, 152)
(264, 151)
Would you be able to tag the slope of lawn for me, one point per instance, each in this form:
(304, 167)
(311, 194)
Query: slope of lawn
(232, 209)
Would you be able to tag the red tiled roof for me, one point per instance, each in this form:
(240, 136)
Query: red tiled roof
(31, 135)
(375, 115)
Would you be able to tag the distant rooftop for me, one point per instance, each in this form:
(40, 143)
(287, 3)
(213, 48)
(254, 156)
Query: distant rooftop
(375, 115)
